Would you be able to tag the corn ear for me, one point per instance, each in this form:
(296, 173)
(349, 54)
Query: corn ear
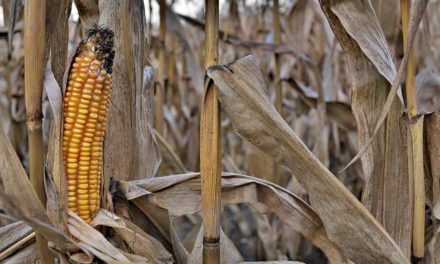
(84, 120)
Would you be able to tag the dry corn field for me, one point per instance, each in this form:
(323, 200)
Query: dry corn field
(220, 131)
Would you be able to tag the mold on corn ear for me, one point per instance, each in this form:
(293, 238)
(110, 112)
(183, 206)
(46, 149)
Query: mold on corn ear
(84, 120)
(101, 40)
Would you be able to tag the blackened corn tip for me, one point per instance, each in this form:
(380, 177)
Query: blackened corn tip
(102, 39)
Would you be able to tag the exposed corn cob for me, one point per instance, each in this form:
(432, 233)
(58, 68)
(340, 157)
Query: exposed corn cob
(85, 115)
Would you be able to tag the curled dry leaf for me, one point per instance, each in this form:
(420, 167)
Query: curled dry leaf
(169, 192)
(93, 240)
(140, 242)
(358, 19)
(243, 96)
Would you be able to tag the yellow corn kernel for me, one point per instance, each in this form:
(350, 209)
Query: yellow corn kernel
(85, 214)
(83, 208)
(71, 172)
(82, 191)
(72, 155)
(71, 177)
(83, 181)
(82, 202)
(76, 140)
(83, 197)
(72, 165)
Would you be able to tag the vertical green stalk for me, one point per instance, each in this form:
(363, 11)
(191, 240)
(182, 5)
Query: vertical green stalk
(210, 144)
(34, 48)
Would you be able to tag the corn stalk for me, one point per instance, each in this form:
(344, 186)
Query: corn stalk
(210, 148)
(277, 40)
(160, 89)
(34, 35)
(415, 155)
(278, 85)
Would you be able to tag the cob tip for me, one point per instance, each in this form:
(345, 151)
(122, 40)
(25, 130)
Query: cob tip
(101, 39)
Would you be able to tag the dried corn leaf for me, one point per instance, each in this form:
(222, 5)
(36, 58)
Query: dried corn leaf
(140, 242)
(360, 22)
(29, 254)
(18, 245)
(81, 258)
(12, 233)
(169, 192)
(416, 14)
(94, 241)
(385, 163)
(14, 237)
(243, 96)
(432, 157)
(16, 183)
(163, 222)
(20, 199)
(267, 237)
(49, 232)
(55, 173)
(59, 242)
